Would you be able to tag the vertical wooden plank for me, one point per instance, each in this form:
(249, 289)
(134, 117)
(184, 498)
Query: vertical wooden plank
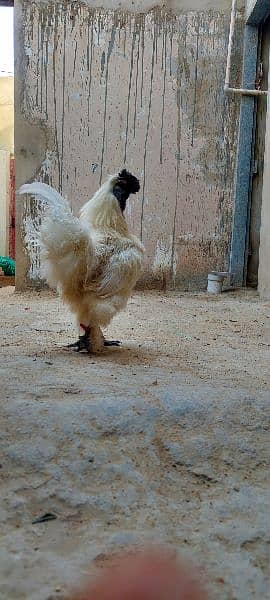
(258, 171)
(12, 210)
(264, 273)
(4, 202)
(244, 162)
(257, 11)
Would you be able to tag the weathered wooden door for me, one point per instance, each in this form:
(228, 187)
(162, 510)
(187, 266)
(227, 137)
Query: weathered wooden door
(258, 165)
(4, 201)
(12, 210)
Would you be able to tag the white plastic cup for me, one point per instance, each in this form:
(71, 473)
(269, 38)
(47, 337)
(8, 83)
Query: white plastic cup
(215, 282)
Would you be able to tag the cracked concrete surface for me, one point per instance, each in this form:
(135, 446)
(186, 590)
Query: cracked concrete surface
(165, 439)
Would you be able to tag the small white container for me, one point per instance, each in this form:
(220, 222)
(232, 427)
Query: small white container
(215, 282)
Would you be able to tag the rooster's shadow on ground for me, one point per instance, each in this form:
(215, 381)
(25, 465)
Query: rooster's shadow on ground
(127, 354)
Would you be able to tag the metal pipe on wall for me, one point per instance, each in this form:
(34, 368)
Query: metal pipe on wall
(227, 88)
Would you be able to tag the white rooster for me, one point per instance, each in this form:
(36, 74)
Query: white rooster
(93, 261)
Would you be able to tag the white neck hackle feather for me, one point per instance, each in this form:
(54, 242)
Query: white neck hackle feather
(103, 210)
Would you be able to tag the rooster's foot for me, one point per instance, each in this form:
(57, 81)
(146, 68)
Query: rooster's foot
(82, 345)
(112, 343)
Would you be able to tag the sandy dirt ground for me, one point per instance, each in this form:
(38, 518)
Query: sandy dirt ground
(164, 439)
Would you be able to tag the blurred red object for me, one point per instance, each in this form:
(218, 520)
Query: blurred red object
(151, 575)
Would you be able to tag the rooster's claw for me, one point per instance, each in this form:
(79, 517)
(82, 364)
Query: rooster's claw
(82, 345)
(112, 343)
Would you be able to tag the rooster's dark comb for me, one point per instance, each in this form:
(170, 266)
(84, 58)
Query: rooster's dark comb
(132, 181)
(124, 173)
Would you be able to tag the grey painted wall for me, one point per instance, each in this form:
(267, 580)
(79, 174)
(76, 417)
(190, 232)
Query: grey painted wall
(100, 88)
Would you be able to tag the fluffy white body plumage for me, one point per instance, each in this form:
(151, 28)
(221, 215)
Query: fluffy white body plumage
(93, 260)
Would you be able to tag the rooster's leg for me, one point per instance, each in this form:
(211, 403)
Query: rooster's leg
(107, 343)
(92, 340)
(84, 342)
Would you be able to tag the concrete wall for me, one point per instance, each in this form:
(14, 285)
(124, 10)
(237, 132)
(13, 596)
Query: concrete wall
(140, 86)
(7, 114)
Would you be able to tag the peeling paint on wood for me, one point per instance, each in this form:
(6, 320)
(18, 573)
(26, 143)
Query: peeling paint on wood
(143, 90)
